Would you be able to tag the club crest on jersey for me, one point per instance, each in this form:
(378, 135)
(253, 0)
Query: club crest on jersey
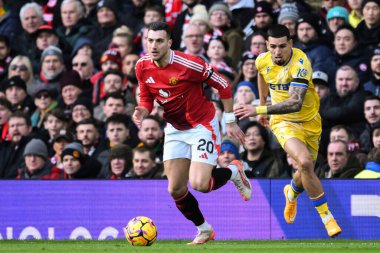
(163, 93)
(173, 80)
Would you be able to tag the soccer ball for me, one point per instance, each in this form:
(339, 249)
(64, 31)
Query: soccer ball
(141, 231)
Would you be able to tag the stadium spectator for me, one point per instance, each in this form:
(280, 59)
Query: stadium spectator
(107, 22)
(356, 14)
(113, 102)
(372, 116)
(368, 29)
(344, 133)
(52, 67)
(346, 105)
(37, 163)
(122, 39)
(229, 151)
(74, 25)
(221, 20)
(87, 133)
(151, 135)
(373, 85)
(321, 83)
(10, 25)
(201, 19)
(263, 162)
(128, 69)
(21, 66)
(310, 40)
(77, 165)
(216, 51)
(288, 17)
(6, 56)
(84, 65)
(31, 17)
(45, 100)
(340, 163)
(84, 46)
(144, 165)
(263, 17)
(193, 41)
(242, 11)
(60, 141)
(256, 43)
(82, 109)
(71, 88)
(336, 17)
(12, 151)
(372, 168)
(181, 22)
(90, 9)
(119, 163)
(247, 72)
(5, 113)
(16, 94)
(245, 95)
(329, 4)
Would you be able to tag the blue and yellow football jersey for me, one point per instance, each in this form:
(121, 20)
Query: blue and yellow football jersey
(280, 78)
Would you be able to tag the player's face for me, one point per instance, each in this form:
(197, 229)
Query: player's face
(158, 44)
(280, 49)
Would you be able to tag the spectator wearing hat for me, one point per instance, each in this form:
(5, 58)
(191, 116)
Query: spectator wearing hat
(122, 39)
(31, 17)
(201, 19)
(336, 17)
(321, 83)
(74, 25)
(37, 164)
(368, 30)
(60, 141)
(372, 168)
(245, 95)
(327, 5)
(45, 100)
(106, 23)
(110, 60)
(263, 162)
(372, 116)
(144, 165)
(52, 67)
(347, 51)
(5, 113)
(71, 88)
(356, 14)
(373, 85)
(83, 46)
(119, 163)
(247, 72)
(16, 93)
(181, 22)
(229, 151)
(82, 109)
(21, 66)
(77, 165)
(12, 151)
(193, 38)
(309, 40)
(221, 20)
(288, 17)
(263, 17)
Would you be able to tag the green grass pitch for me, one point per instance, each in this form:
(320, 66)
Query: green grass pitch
(179, 246)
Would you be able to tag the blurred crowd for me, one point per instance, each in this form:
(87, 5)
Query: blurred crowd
(68, 86)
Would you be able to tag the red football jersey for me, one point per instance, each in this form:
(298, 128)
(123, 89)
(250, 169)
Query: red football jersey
(178, 87)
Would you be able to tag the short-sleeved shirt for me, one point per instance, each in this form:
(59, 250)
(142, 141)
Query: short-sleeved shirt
(296, 72)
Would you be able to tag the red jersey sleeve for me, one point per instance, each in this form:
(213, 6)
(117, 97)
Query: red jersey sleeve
(214, 79)
(146, 98)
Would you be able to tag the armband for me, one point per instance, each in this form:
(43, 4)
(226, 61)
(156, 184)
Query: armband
(262, 110)
(229, 117)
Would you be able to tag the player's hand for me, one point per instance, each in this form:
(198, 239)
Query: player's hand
(139, 114)
(234, 132)
(263, 119)
(244, 111)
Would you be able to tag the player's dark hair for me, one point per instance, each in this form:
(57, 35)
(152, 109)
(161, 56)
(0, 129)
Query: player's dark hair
(160, 26)
(278, 31)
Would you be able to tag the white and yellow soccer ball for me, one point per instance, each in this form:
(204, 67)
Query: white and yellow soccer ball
(141, 231)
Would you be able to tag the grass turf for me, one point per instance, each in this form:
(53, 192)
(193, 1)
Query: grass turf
(178, 246)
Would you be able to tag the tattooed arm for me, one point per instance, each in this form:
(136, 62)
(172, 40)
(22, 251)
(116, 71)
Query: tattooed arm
(292, 104)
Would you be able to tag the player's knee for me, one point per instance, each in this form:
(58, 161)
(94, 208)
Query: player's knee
(306, 164)
(199, 185)
(176, 192)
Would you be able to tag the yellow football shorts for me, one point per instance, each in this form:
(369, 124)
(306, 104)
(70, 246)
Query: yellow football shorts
(308, 132)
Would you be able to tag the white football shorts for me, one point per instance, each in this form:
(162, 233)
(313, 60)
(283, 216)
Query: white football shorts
(200, 144)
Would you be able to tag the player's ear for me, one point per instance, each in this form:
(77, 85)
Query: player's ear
(291, 42)
(170, 42)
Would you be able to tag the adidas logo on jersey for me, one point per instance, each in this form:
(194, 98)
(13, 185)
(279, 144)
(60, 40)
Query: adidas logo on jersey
(204, 156)
(150, 80)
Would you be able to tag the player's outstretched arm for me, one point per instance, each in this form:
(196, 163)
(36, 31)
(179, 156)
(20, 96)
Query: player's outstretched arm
(139, 114)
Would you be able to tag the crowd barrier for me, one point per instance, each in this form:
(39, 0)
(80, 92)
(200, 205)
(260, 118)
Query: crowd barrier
(100, 209)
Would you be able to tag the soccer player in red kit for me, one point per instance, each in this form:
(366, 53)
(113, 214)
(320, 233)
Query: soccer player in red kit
(192, 136)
